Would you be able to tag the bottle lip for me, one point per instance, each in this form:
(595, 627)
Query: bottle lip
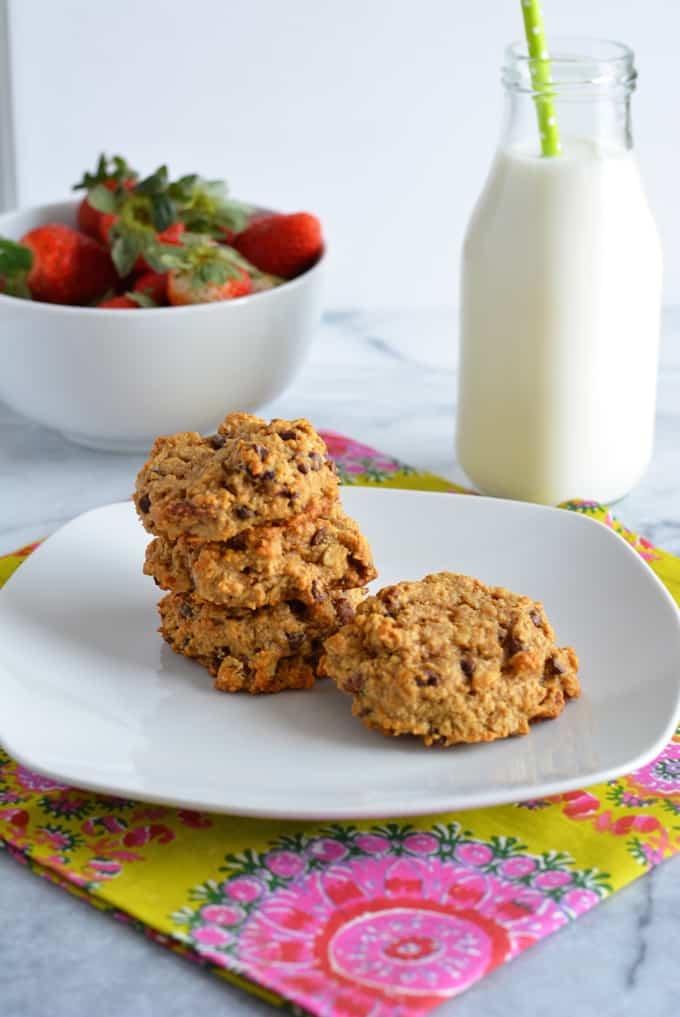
(577, 64)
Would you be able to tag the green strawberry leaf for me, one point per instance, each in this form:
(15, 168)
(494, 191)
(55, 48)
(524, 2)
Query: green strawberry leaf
(143, 299)
(102, 199)
(15, 259)
(214, 273)
(115, 168)
(154, 184)
(164, 258)
(18, 287)
(162, 212)
(203, 206)
(126, 249)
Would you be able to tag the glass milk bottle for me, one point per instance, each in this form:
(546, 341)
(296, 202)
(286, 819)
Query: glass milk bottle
(561, 291)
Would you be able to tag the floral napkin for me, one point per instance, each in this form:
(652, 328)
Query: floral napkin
(361, 919)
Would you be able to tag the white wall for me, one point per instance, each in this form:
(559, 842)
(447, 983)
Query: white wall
(379, 115)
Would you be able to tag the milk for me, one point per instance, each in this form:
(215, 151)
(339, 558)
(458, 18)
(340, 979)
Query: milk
(561, 292)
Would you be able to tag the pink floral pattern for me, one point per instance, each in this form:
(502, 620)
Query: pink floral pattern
(661, 777)
(361, 923)
(355, 460)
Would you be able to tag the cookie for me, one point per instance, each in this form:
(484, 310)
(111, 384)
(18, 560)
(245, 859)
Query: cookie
(304, 559)
(451, 660)
(248, 474)
(268, 650)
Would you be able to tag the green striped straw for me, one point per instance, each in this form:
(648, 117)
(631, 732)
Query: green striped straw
(541, 77)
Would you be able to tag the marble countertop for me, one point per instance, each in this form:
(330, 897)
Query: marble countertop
(389, 379)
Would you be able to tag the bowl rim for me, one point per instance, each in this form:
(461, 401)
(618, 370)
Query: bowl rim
(213, 306)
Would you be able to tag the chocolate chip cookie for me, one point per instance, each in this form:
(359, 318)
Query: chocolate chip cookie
(451, 660)
(247, 474)
(267, 650)
(304, 559)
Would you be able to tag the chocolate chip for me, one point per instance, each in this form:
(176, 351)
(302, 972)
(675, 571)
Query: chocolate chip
(318, 592)
(439, 740)
(303, 468)
(287, 435)
(217, 441)
(186, 610)
(467, 666)
(354, 683)
(237, 543)
(144, 503)
(556, 667)
(295, 639)
(285, 492)
(315, 460)
(427, 678)
(298, 608)
(390, 600)
(261, 451)
(318, 536)
(344, 611)
(512, 645)
(267, 475)
(243, 512)
(536, 618)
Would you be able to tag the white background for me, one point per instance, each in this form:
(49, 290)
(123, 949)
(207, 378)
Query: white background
(379, 115)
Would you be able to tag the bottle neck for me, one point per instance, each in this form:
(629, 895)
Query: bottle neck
(604, 120)
(581, 91)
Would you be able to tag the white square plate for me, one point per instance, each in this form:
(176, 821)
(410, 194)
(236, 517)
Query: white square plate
(91, 695)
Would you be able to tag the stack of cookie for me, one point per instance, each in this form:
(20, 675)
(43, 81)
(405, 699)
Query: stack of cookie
(251, 539)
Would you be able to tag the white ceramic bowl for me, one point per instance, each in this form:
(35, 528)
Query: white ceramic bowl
(114, 379)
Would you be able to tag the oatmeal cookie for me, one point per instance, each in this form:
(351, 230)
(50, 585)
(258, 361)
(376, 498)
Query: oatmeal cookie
(451, 660)
(267, 650)
(304, 559)
(248, 474)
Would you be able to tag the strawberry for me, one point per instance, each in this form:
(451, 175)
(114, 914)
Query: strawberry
(183, 288)
(154, 285)
(282, 245)
(68, 267)
(122, 302)
(89, 219)
(109, 173)
(106, 221)
(209, 273)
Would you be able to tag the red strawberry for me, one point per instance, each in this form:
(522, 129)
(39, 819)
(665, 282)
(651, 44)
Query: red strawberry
(120, 302)
(184, 288)
(283, 245)
(89, 219)
(68, 267)
(154, 285)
